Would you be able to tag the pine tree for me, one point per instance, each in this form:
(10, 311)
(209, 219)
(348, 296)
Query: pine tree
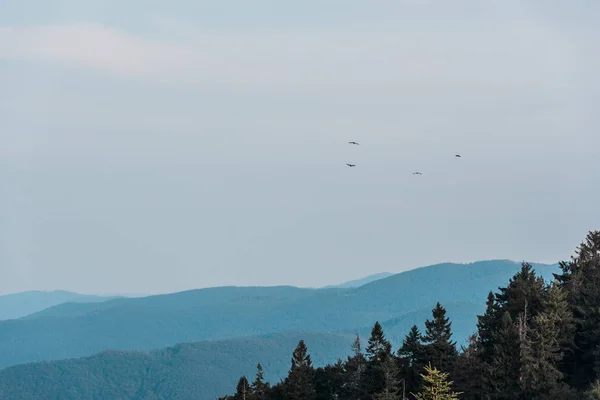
(411, 355)
(299, 384)
(354, 372)
(391, 382)
(259, 387)
(468, 370)
(436, 386)
(244, 391)
(525, 289)
(501, 375)
(440, 350)
(379, 347)
(580, 278)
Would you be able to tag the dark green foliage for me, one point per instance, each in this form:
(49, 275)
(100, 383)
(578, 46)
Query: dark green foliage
(379, 347)
(243, 390)
(467, 370)
(580, 279)
(411, 356)
(391, 379)
(259, 387)
(439, 349)
(300, 384)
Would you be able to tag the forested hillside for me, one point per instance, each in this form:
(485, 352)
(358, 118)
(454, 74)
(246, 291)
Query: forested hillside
(79, 330)
(535, 341)
(190, 371)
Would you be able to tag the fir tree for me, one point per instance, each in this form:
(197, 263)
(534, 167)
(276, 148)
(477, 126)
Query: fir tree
(379, 347)
(440, 350)
(411, 355)
(259, 387)
(468, 370)
(391, 381)
(436, 386)
(354, 372)
(378, 350)
(244, 391)
(501, 376)
(299, 384)
(580, 278)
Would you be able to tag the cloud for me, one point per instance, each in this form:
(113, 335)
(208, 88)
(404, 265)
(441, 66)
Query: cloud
(496, 56)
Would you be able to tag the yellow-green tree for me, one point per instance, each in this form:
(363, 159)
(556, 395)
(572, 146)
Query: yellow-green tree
(436, 386)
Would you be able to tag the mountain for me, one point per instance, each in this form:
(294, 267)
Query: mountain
(362, 281)
(17, 305)
(198, 371)
(77, 330)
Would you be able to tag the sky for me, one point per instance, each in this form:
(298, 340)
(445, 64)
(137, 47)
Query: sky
(150, 146)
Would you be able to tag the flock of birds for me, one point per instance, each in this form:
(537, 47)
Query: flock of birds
(414, 173)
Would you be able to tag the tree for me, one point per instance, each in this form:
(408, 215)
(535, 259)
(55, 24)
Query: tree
(411, 355)
(440, 350)
(354, 370)
(436, 386)
(580, 278)
(468, 370)
(300, 381)
(541, 351)
(391, 382)
(379, 347)
(378, 350)
(244, 390)
(259, 387)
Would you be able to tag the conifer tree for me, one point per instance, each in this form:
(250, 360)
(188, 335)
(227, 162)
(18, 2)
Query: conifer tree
(299, 384)
(379, 347)
(411, 355)
(525, 290)
(391, 381)
(580, 278)
(468, 370)
(436, 386)
(502, 374)
(259, 387)
(354, 372)
(244, 391)
(440, 350)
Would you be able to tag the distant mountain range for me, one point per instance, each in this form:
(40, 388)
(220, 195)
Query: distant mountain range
(398, 301)
(17, 305)
(360, 282)
(194, 371)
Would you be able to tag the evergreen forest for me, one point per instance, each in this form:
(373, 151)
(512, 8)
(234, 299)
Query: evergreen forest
(536, 340)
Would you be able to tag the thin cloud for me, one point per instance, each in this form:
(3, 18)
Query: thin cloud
(514, 56)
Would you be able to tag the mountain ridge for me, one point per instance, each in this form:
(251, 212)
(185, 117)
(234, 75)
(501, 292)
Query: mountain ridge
(225, 313)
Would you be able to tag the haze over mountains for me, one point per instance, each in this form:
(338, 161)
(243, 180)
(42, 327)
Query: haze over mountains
(17, 305)
(229, 313)
(359, 282)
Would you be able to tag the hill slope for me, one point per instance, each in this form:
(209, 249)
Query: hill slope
(77, 330)
(186, 371)
(17, 305)
(360, 282)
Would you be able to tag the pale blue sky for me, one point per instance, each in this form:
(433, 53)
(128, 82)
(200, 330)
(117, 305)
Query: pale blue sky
(152, 146)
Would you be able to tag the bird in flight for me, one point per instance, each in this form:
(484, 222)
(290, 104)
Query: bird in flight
(458, 155)
(417, 173)
(351, 165)
(353, 143)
